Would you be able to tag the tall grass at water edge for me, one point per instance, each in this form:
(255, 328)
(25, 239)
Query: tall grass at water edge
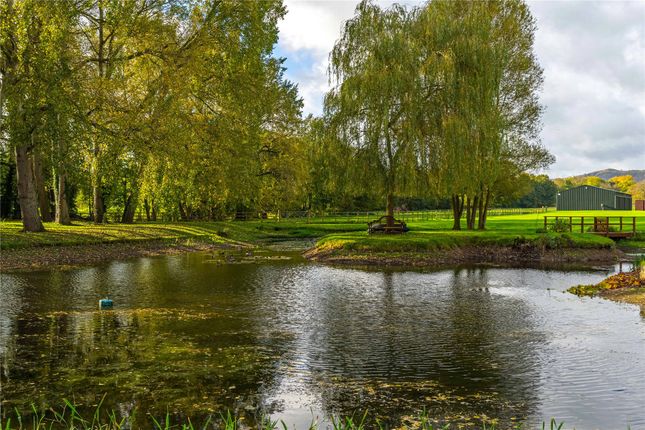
(69, 418)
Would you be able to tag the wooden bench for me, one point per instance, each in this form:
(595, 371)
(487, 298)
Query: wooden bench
(386, 225)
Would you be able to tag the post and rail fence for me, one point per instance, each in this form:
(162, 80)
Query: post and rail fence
(610, 226)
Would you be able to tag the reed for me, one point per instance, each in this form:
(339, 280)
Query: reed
(69, 418)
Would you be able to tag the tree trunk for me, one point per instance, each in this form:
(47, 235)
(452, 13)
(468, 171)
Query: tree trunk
(60, 197)
(389, 209)
(484, 210)
(97, 204)
(471, 211)
(129, 209)
(43, 196)
(146, 206)
(27, 194)
(457, 210)
(182, 212)
(153, 214)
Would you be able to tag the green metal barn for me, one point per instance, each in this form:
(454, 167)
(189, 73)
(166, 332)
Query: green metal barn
(587, 197)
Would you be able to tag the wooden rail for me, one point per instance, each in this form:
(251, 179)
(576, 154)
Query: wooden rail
(626, 225)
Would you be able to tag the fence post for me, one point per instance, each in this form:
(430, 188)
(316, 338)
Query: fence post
(582, 224)
(570, 223)
(621, 223)
(545, 224)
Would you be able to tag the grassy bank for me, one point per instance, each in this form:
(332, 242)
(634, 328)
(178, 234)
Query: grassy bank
(520, 237)
(85, 233)
(86, 243)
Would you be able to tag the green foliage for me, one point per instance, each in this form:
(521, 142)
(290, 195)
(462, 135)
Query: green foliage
(181, 109)
(430, 100)
(542, 192)
(560, 226)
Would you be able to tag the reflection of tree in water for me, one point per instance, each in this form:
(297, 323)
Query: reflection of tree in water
(493, 343)
(192, 360)
(434, 340)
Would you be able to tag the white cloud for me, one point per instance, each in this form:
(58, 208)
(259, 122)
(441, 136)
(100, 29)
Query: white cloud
(307, 35)
(314, 25)
(593, 54)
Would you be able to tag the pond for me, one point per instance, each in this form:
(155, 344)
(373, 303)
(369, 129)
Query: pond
(302, 342)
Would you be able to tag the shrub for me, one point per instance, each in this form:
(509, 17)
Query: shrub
(560, 226)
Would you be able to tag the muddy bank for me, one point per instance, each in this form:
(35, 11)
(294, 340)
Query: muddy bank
(499, 255)
(47, 257)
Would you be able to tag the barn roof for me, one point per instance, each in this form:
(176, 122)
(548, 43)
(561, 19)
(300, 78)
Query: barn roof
(598, 188)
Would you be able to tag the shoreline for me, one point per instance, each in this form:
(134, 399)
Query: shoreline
(68, 256)
(64, 256)
(468, 254)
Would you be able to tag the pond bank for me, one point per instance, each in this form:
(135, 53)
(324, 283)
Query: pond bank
(469, 254)
(75, 255)
(86, 254)
(85, 243)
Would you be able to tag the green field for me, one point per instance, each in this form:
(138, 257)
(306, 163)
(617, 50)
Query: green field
(337, 232)
(347, 233)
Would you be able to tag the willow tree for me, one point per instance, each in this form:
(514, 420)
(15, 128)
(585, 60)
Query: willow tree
(489, 109)
(372, 103)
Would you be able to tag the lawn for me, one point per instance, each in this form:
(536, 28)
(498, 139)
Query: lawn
(423, 235)
(81, 233)
(500, 230)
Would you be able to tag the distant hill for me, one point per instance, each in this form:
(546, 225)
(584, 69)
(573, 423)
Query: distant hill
(607, 174)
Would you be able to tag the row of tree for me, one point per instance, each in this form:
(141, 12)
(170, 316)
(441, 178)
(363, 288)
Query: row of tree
(180, 107)
(167, 104)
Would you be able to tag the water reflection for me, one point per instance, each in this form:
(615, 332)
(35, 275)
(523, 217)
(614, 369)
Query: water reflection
(289, 339)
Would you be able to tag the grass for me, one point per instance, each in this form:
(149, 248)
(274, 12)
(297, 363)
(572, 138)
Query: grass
(334, 233)
(84, 233)
(508, 230)
(69, 418)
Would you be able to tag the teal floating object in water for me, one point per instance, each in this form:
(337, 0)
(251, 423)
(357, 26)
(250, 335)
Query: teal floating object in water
(105, 303)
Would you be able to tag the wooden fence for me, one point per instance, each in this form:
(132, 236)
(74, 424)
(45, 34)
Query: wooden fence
(616, 226)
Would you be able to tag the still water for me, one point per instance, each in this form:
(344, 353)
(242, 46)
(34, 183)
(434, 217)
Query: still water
(302, 341)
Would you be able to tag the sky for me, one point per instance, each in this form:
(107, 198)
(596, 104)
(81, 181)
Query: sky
(592, 52)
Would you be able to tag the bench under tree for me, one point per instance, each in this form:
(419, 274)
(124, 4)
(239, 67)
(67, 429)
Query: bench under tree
(388, 225)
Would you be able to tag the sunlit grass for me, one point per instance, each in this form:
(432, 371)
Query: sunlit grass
(344, 232)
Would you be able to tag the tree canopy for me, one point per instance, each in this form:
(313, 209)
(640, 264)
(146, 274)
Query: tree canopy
(444, 96)
(173, 109)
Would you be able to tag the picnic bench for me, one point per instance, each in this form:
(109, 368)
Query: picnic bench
(387, 225)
